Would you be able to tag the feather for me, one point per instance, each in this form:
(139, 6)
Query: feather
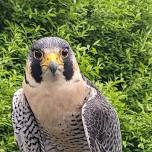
(25, 126)
(101, 124)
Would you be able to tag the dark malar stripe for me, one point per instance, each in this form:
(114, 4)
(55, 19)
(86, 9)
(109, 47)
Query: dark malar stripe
(36, 71)
(68, 69)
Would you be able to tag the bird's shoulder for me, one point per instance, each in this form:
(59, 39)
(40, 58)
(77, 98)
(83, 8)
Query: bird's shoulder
(26, 129)
(101, 123)
(96, 100)
(97, 106)
(19, 103)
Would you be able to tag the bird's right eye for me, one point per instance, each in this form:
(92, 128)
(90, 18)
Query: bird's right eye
(38, 54)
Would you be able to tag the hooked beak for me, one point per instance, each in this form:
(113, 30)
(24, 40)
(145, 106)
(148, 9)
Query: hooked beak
(52, 61)
(53, 67)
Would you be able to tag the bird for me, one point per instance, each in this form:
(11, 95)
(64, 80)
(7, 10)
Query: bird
(58, 109)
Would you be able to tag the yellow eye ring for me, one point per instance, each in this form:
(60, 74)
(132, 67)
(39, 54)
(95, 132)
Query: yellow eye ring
(38, 55)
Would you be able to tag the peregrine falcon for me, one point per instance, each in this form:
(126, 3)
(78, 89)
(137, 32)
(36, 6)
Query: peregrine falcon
(58, 109)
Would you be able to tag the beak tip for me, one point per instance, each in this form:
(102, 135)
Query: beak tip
(53, 67)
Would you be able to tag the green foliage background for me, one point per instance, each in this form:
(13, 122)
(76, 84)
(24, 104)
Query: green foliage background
(112, 41)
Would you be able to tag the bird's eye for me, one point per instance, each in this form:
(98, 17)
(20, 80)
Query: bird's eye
(38, 54)
(64, 52)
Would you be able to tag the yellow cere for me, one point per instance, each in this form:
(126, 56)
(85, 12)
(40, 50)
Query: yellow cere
(55, 57)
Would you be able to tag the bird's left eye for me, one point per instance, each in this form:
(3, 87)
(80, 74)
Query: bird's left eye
(38, 54)
(64, 52)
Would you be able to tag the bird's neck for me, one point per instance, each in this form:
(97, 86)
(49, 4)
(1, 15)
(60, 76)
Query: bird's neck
(61, 99)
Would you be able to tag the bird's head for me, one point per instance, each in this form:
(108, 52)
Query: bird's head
(51, 59)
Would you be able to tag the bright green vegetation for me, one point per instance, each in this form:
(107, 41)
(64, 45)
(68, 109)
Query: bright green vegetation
(112, 41)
